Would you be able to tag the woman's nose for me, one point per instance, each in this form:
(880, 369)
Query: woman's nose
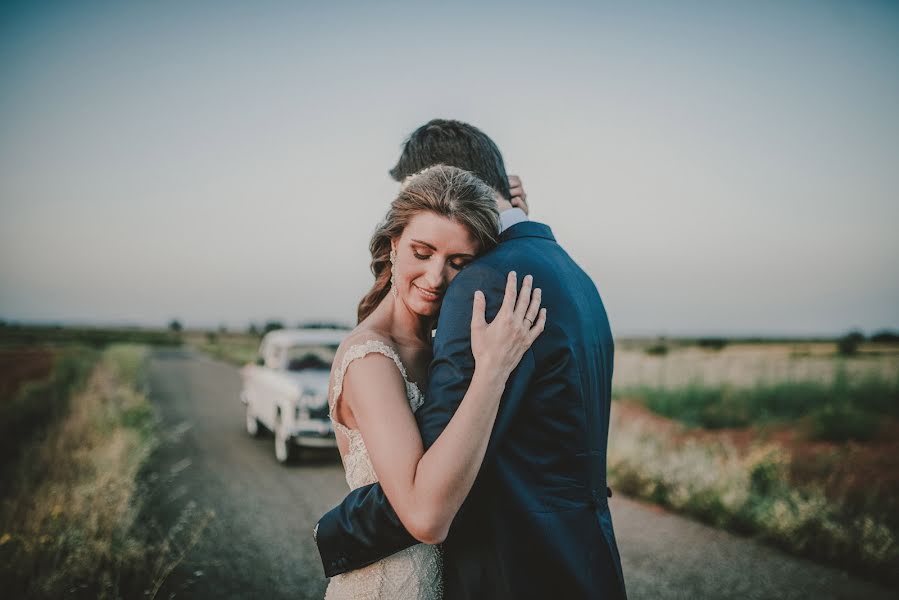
(437, 275)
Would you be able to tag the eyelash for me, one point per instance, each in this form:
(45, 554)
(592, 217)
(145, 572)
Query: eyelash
(457, 267)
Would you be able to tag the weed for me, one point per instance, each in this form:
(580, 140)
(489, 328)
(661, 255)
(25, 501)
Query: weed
(67, 518)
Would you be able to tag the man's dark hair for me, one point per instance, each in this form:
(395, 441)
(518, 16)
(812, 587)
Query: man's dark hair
(456, 144)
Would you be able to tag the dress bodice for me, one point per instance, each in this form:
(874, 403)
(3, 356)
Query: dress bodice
(415, 573)
(356, 462)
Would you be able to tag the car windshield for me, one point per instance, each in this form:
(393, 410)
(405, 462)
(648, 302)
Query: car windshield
(300, 358)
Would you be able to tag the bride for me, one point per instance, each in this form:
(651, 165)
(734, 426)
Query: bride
(442, 219)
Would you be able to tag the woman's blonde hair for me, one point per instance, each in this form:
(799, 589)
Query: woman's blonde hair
(446, 191)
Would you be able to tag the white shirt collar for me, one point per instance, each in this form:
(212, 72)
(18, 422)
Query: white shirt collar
(510, 217)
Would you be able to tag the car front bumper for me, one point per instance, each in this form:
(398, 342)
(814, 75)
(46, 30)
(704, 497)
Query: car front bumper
(313, 434)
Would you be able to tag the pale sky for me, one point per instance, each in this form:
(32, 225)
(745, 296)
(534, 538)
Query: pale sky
(716, 167)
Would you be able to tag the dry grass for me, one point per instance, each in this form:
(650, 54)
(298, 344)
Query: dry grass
(67, 517)
(235, 348)
(746, 365)
(788, 441)
(739, 481)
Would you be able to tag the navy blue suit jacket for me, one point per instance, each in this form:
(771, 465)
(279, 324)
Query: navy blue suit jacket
(536, 523)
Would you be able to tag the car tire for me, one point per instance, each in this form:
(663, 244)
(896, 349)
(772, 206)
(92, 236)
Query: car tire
(252, 424)
(285, 451)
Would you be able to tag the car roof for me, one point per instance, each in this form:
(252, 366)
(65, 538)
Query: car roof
(295, 337)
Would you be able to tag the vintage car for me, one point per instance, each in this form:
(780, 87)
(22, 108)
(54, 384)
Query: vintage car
(286, 390)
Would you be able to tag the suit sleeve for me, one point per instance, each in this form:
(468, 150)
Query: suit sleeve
(364, 528)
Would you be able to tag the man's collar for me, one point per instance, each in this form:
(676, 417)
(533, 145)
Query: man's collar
(527, 229)
(512, 216)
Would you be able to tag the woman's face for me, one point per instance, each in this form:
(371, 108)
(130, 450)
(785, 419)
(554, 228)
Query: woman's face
(429, 254)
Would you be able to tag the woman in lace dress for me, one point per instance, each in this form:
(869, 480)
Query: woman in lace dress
(442, 219)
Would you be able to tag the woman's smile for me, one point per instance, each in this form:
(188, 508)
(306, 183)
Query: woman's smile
(427, 294)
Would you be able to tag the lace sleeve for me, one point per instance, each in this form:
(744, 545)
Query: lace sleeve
(357, 351)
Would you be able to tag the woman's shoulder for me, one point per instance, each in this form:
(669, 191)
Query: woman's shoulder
(366, 336)
(364, 341)
(361, 343)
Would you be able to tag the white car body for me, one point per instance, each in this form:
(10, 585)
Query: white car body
(286, 391)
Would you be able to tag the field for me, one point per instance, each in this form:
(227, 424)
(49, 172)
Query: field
(235, 348)
(788, 441)
(75, 428)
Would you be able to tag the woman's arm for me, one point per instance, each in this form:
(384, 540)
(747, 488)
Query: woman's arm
(426, 489)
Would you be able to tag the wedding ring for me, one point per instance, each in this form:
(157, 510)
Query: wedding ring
(530, 323)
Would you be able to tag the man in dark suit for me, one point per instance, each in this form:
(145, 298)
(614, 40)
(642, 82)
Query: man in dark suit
(536, 523)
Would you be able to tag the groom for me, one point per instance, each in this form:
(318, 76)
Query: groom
(536, 523)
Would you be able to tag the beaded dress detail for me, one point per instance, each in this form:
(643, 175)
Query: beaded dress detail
(415, 573)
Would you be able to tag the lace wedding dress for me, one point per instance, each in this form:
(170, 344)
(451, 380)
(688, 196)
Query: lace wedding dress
(415, 573)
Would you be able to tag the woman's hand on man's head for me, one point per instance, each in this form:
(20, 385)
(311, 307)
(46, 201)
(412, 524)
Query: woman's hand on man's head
(519, 197)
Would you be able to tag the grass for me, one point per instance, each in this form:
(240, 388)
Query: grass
(69, 503)
(237, 349)
(787, 442)
(751, 491)
(35, 400)
(846, 407)
(13, 334)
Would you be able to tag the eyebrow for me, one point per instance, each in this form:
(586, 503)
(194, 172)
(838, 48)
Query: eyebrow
(435, 249)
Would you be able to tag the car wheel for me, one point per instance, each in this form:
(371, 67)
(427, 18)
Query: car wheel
(285, 451)
(253, 427)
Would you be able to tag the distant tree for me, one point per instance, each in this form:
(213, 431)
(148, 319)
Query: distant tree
(175, 326)
(321, 325)
(849, 343)
(253, 330)
(660, 348)
(212, 337)
(223, 328)
(712, 343)
(885, 337)
(272, 326)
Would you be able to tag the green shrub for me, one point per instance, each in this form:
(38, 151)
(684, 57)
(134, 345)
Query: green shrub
(767, 472)
(885, 337)
(657, 350)
(712, 343)
(837, 422)
(849, 343)
(856, 399)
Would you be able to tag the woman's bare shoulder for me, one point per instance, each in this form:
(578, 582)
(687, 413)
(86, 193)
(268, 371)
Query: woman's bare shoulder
(370, 354)
(364, 340)
(365, 333)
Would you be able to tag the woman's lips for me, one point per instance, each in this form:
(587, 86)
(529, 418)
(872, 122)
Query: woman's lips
(428, 295)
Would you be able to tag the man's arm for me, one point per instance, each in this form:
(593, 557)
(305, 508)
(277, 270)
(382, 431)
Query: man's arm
(364, 528)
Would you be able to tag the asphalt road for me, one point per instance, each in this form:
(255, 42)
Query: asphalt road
(258, 515)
